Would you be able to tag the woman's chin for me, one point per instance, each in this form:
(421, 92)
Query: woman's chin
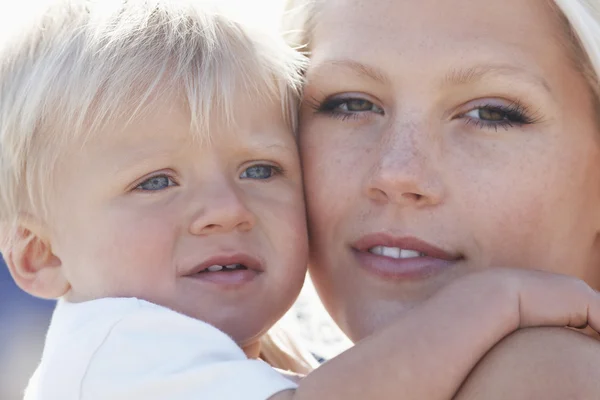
(362, 304)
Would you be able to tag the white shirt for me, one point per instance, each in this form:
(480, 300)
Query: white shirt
(129, 349)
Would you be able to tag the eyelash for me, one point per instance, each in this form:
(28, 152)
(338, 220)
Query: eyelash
(516, 114)
(277, 171)
(137, 188)
(330, 106)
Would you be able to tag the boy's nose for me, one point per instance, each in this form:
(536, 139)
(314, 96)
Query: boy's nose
(222, 210)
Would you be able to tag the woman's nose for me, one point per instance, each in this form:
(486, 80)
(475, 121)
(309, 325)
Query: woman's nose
(222, 210)
(404, 172)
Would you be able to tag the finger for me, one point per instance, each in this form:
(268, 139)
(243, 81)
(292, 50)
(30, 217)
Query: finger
(556, 300)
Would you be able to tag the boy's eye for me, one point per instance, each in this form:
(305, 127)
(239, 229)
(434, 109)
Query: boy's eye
(259, 172)
(158, 182)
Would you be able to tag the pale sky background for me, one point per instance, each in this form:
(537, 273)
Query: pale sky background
(264, 11)
(269, 10)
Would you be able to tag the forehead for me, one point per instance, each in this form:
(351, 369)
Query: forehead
(456, 18)
(386, 32)
(167, 120)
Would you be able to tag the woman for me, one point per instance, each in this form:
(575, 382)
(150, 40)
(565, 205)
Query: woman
(444, 136)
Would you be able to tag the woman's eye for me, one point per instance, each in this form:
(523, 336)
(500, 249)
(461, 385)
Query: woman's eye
(158, 182)
(499, 116)
(494, 114)
(348, 106)
(487, 114)
(259, 172)
(357, 105)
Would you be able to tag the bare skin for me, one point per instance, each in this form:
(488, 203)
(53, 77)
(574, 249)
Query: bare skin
(537, 363)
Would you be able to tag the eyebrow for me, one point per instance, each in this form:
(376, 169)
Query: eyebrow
(360, 69)
(456, 77)
(460, 77)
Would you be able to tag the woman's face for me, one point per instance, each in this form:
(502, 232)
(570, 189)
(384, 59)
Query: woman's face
(441, 137)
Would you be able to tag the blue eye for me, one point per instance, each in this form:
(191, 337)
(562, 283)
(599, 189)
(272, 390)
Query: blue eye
(158, 182)
(259, 172)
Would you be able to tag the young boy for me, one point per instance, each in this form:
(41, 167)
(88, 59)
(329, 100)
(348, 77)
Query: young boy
(150, 181)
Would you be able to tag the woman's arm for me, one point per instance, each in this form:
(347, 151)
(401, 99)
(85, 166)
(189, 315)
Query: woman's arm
(537, 363)
(431, 350)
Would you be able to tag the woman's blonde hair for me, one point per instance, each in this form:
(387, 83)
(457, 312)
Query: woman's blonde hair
(280, 347)
(70, 67)
(582, 22)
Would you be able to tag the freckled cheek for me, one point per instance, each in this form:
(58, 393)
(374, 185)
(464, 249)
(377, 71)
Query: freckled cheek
(332, 176)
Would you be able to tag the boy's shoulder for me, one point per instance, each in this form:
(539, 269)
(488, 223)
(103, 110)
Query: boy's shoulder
(85, 335)
(106, 339)
(76, 331)
(128, 348)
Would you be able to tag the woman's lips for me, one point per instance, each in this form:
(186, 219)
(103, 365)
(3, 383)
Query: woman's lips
(401, 258)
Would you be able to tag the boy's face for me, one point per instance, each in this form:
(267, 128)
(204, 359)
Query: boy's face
(143, 211)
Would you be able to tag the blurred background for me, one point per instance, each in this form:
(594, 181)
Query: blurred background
(23, 324)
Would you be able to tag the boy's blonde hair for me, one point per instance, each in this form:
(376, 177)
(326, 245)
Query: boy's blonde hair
(70, 67)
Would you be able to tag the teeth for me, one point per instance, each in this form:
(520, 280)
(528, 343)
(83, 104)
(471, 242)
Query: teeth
(395, 252)
(409, 254)
(232, 266)
(391, 252)
(214, 268)
(378, 250)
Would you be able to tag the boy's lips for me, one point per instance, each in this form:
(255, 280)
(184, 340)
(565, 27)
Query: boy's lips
(228, 271)
(401, 258)
(228, 260)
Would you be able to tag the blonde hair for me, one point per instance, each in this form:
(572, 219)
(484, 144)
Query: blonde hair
(298, 23)
(280, 348)
(582, 19)
(70, 67)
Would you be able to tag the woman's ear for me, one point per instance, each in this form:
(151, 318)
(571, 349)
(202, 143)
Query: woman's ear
(32, 263)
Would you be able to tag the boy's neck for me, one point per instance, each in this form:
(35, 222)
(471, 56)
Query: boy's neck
(252, 350)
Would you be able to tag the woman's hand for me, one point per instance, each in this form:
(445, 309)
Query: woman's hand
(528, 298)
(535, 363)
